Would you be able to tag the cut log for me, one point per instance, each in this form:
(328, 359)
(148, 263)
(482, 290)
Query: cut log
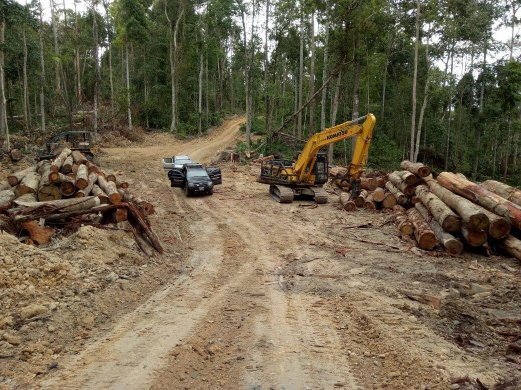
(58, 161)
(473, 236)
(408, 178)
(389, 201)
(368, 183)
(360, 199)
(369, 202)
(416, 168)
(16, 178)
(98, 192)
(449, 221)
(504, 190)
(40, 235)
(78, 157)
(119, 215)
(67, 165)
(82, 177)
(35, 210)
(382, 180)
(15, 155)
(93, 177)
(333, 171)
(110, 189)
(49, 192)
(4, 185)
(425, 237)
(344, 184)
(67, 185)
(122, 184)
(512, 246)
(6, 199)
(29, 184)
(346, 202)
(399, 195)
(145, 206)
(378, 195)
(453, 245)
(471, 214)
(404, 225)
(92, 167)
(26, 198)
(499, 227)
(75, 169)
(396, 179)
(483, 197)
(402, 221)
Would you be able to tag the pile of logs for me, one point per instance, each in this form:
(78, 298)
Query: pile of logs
(448, 211)
(69, 191)
(378, 191)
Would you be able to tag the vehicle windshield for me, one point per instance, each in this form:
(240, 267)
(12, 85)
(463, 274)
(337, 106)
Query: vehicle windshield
(196, 172)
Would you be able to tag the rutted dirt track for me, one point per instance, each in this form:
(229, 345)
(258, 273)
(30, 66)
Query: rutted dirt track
(288, 297)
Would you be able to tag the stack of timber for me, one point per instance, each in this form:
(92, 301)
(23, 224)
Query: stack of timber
(67, 192)
(453, 212)
(378, 191)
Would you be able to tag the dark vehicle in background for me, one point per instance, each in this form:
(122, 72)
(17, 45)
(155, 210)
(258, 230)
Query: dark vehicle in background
(74, 140)
(176, 162)
(195, 179)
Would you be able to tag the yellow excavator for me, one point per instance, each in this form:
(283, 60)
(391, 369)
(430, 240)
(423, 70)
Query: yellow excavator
(306, 176)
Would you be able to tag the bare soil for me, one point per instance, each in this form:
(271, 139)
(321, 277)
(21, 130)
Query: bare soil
(258, 295)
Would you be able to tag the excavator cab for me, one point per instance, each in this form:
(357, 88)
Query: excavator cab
(321, 169)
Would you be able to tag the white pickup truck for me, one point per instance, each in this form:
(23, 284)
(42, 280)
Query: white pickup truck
(176, 162)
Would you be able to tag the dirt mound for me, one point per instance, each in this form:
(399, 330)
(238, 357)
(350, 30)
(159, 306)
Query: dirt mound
(35, 283)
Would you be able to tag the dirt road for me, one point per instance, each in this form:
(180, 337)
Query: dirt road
(289, 297)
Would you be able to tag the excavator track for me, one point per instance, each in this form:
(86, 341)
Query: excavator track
(281, 194)
(320, 195)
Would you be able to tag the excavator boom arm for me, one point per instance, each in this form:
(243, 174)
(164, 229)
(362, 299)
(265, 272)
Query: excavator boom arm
(361, 127)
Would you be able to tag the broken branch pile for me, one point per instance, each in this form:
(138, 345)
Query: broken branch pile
(67, 192)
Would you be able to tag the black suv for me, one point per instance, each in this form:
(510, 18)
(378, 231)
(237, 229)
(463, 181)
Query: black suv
(195, 179)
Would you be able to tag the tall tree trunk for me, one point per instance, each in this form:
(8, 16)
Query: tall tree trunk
(127, 79)
(414, 83)
(247, 89)
(312, 105)
(447, 151)
(42, 73)
(207, 96)
(77, 52)
(334, 108)
(324, 91)
(301, 77)
(356, 90)
(266, 93)
(27, 108)
(200, 105)
(481, 100)
(424, 104)
(56, 50)
(173, 63)
(96, 64)
(4, 130)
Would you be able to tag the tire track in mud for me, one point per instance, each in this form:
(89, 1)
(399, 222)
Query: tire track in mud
(131, 353)
(290, 343)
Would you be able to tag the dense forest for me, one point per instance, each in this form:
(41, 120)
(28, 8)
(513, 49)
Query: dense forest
(443, 88)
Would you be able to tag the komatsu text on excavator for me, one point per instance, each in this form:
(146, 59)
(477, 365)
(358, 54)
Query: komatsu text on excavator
(306, 176)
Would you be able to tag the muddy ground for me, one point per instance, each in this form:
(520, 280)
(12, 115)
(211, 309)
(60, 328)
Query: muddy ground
(253, 294)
